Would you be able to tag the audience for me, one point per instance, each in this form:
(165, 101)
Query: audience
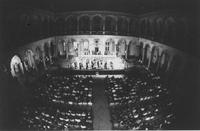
(139, 103)
(60, 102)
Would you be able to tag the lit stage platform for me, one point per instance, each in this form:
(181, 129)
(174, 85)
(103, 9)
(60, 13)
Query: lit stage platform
(94, 63)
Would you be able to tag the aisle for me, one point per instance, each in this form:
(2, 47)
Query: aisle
(100, 107)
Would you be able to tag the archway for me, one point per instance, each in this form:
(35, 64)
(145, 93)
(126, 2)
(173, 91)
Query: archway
(84, 24)
(121, 47)
(39, 58)
(122, 25)
(147, 54)
(16, 66)
(133, 50)
(142, 28)
(71, 24)
(30, 59)
(60, 26)
(140, 51)
(52, 49)
(158, 27)
(154, 59)
(97, 24)
(163, 63)
(61, 51)
(174, 69)
(47, 53)
(70, 46)
(46, 49)
(132, 27)
(110, 25)
(38, 55)
(170, 29)
(175, 64)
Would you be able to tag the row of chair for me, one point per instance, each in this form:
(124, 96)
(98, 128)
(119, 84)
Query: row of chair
(60, 102)
(139, 103)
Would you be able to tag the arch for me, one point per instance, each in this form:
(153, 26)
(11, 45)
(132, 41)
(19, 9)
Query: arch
(158, 27)
(69, 46)
(46, 49)
(132, 27)
(16, 66)
(97, 23)
(147, 54)
(52, 26)
(133, 49)
(84, 23)
(60, 26)
(122, 25)
(121, 47)
(141, 44)
(142, 27)
(170, 29)
(61, 50)
(110, 24)
(155, 54)
(29, 58)
(39, 58)
(163, 63)
(109, 47)
(52, 49)
(38, 54)
(71, 24)
(175, 64)
(154, 59)
(148, 30)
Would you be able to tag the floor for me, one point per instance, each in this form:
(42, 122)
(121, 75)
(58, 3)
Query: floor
(100, 107)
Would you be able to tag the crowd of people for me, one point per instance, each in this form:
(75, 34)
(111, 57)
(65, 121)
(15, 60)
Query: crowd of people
(48, 118)
(63, 102)
(139, 103)
(93, 64)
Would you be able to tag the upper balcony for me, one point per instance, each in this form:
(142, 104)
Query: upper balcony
(95, 23)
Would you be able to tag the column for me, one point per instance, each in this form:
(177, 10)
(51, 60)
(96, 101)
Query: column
(104, 25)
(116, 27)
(77, 26)
(90, 25)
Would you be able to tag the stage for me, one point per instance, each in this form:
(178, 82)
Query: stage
(93, 63)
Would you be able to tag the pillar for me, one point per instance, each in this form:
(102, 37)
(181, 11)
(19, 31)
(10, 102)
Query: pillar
(90, 25)
(116, 27)
(104, 28)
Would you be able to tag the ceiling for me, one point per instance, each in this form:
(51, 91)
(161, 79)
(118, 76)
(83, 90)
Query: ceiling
(128, 6)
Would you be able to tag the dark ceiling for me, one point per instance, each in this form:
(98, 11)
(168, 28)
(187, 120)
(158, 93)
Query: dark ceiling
(129, 6)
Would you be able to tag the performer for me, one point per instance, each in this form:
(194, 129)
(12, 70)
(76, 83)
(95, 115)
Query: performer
(111, 65)
(75, 65)
(80, 66)
(98, 64)
(92, 63)
(105, 65)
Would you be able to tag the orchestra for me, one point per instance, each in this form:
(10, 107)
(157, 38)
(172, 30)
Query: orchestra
(96, 64)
